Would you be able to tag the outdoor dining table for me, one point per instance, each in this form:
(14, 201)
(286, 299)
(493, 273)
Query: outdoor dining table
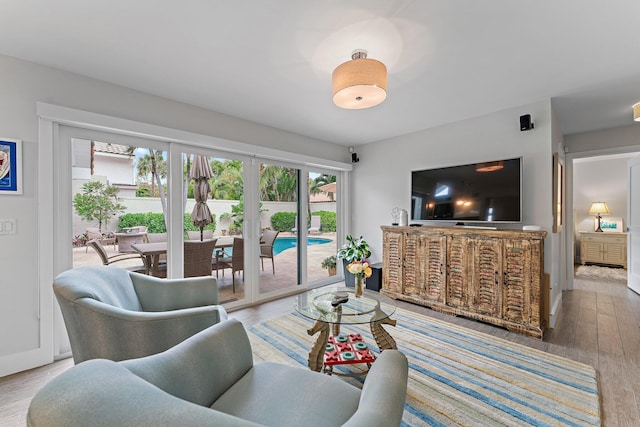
(152, 252)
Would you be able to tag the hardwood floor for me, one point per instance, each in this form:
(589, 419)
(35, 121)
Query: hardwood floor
(599, 325)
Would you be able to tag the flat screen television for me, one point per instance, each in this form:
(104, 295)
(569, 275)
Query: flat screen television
(486, 192)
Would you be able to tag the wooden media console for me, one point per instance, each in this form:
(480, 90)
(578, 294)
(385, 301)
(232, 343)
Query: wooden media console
(495, 276)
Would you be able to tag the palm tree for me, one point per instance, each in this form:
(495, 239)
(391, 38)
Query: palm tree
(159, 171)
(153, 164)
(186, 180)
(278, 183)
(228, 179)
(143, 167)
(287, 185)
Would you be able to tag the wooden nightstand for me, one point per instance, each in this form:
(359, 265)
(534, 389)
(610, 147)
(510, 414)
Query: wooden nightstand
(604, 248)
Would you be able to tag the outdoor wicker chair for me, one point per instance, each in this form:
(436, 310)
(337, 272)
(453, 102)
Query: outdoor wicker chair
(197, 257)
(235, 262)
(266, 247)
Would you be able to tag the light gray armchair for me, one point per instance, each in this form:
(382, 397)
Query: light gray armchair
(112, 313)
(210, 380)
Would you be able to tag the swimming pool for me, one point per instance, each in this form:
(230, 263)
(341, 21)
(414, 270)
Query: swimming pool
(284, 243)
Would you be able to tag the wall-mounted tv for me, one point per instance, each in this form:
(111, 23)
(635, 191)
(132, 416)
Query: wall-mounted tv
(475, 193)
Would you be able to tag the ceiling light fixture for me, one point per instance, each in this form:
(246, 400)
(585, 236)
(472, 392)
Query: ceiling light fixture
(359, 83)
(636, 112)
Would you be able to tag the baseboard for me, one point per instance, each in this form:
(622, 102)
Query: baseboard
(18, 362)
(556, 306)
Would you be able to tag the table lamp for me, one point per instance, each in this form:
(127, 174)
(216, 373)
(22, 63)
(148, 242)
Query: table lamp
(598, 209)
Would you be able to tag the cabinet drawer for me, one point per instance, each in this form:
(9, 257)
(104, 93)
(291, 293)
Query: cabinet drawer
(604, 238)
(615, 239)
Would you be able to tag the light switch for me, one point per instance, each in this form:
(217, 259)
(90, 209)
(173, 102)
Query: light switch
(8, 226)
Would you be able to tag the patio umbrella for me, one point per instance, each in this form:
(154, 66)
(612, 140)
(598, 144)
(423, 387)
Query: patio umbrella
(201, 173)
(328, 188)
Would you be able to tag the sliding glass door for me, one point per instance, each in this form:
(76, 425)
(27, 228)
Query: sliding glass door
(322, 213)
(213, 188)
(118, 195)
(278, 237)
(268, 227)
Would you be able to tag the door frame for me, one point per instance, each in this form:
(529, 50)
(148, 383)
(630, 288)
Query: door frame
(570, 237)
(632, 235)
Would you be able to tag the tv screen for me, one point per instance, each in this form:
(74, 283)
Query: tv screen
(478, 192)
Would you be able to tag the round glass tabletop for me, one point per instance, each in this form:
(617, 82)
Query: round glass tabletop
(340, 306)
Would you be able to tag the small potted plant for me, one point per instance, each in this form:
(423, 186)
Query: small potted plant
(329, 264)
(353, 250)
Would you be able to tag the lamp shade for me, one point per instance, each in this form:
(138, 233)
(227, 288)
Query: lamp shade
(636, 112)
(359, 83)
(599, 208)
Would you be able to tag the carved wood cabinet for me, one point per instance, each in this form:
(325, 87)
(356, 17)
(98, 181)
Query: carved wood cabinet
(495, 276)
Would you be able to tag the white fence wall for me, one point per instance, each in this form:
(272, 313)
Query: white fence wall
(217, 207)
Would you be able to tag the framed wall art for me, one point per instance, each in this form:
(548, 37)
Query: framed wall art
(10, 166)
(609, 225)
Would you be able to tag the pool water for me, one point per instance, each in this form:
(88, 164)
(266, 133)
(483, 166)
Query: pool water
(284, 243)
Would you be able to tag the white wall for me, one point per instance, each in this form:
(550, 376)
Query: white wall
(22, 84)
(119, 169)
(598, 140)
(382, 178)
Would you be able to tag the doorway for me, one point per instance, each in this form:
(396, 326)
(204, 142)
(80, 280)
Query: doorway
(595, 177)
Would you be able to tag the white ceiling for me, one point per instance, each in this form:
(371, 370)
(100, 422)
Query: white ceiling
(270, 61)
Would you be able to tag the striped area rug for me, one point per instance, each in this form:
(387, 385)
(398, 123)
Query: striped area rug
(459, 376)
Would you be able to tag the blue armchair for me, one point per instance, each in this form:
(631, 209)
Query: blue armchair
(210, 380)
(112, 313)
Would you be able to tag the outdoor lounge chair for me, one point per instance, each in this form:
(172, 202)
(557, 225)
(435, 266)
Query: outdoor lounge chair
(210, 380)
(108, 260)
(266, 247)
(95, 233)
(315, 224)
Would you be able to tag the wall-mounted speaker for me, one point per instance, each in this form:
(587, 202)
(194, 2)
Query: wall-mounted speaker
(526, 123)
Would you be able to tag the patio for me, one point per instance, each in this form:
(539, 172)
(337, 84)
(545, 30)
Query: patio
(285, 267)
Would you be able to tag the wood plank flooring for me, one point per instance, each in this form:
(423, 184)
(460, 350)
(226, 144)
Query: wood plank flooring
(599, 325)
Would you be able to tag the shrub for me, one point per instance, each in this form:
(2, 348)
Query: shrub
(188, 225)
(327, 220)
(283, 221)
(155, 222)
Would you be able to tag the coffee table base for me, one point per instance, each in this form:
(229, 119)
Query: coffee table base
(319, 361)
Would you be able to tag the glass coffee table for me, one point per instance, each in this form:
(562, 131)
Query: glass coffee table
(332, 307)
